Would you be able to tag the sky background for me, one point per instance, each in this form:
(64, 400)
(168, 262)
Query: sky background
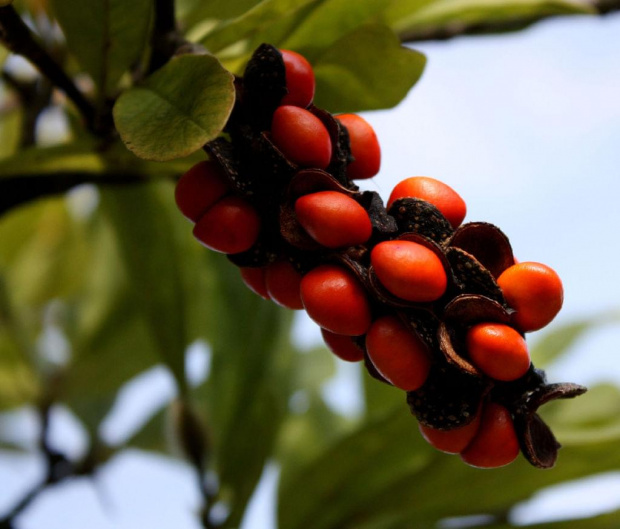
(526, 128)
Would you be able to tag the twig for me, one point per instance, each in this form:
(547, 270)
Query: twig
(18, 38)
(457, 29)
(165, 39)
(34, 97)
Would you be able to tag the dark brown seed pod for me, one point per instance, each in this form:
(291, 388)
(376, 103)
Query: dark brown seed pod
(418, 216)
(424, 323)
(471, 277)
(383, 225)
(261, 254)
(448, 399)
(487, 243)
(468, 309)
(341, 149)
(264, 85)
(447, 339)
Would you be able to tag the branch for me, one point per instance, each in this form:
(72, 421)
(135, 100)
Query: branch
(34, 97)
(165, 39)
(457, 29)
(18, 38)
(17, 190)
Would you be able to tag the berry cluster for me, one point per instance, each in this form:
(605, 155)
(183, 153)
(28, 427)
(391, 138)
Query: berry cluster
(433, 307)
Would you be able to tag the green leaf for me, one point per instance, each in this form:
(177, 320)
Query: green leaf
(151, 255)
(556, 342)
(414, 19)
(246, 395)
(199, 10)
(603, 521)
(10, 124)
(329, 21)
(400, 481)
(107, 37)
(176, 110)
(367, 69)
(253, 22)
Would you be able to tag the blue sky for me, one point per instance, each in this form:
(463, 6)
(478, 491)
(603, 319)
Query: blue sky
(526, 127)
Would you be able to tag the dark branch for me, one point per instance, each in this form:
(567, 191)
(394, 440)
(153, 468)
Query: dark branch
(165, 39)
(34, 97)
(17, 190)
(18, 38)
(457, 29)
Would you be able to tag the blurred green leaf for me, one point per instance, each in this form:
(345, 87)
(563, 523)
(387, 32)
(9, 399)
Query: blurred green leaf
(151, 255)
(401, 482)
(558, 341)
(329, 21)
(603, 521)
(413, 19)
(252, 22)
(246, 395)
(10, 123)
(198, 10)
(107, 38)
(365, 70)
(177, 109)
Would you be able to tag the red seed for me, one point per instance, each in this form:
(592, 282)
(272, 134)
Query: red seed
(364, 147)
(409, 270)
(498, 351)
(343, 346)
(199, 188)
(229, 226)
(301, 137)
(441, 195)
(336, 300)
(399, 355)
(333, 219)
(254, 279)
(283, 283)
(299, 79)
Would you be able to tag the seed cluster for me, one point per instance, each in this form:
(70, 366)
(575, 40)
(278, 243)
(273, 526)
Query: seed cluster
(432, 306)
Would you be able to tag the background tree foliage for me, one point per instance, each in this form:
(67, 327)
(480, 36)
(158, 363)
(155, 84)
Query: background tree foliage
(91, 298)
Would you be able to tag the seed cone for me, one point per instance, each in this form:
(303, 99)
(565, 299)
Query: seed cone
(472, 258)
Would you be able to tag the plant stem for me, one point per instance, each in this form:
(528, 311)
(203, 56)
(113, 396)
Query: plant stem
(165, 39)
(18, 38)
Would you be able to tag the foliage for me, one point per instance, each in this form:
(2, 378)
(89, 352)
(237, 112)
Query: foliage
(101, 284)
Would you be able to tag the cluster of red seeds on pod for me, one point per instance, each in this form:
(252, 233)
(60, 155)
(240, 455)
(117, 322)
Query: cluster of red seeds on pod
(432, 306)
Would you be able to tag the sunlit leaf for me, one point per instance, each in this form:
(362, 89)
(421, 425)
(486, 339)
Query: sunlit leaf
(107, 37)
(177, 109)
(252, 22)
(415, 19)
(365, 70)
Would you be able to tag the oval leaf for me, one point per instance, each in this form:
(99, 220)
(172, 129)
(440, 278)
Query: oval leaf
(177, 110)
(367, 69)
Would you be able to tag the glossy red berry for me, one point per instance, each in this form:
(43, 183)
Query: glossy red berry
(199, 188)
(534, 291)
(283, 283)
(301, 137)
(398, 354)
(254, 279)
(451, 441)
(498, 351)
(333, 219)
(299, 79)
(336, 300)
(495, 444)
(409, 270)
(441, 195)
(230, 226)
(364, 147)
(343, 346)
